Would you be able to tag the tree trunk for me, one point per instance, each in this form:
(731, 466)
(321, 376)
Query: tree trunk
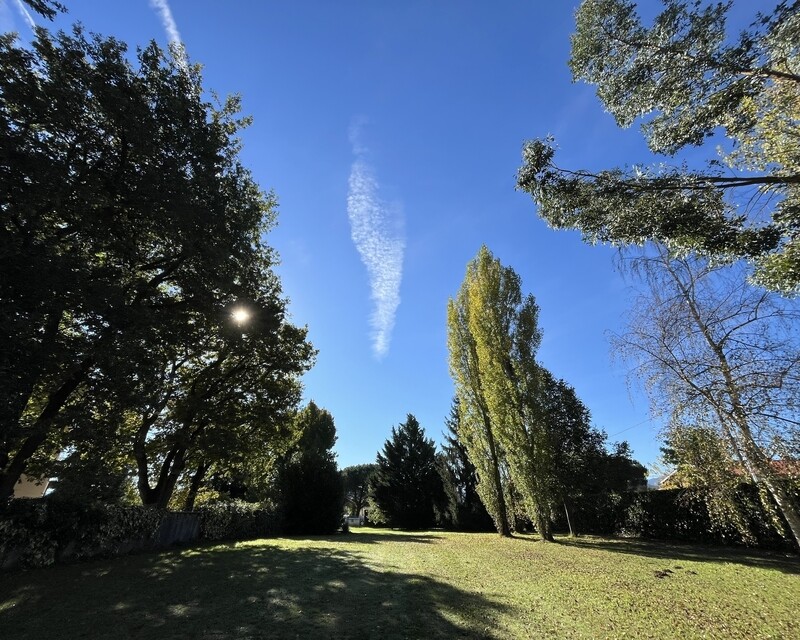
(504, 529)
(40, 430)
(769, 478)
(146, 493)
(172, 480)
(739, 417)
(543, 526)
(194, 486)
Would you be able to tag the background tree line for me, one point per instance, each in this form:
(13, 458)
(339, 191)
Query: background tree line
(413, 486)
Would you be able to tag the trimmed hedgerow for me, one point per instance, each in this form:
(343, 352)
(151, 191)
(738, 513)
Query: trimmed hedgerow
(39, 533)
(236, 520)
(673, 514)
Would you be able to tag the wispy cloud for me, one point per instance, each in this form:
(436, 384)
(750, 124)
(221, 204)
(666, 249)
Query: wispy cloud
(376, 228)
(171, 28)
(25, 14)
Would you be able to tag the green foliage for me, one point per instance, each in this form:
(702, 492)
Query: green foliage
(130, 233)
(46, 8)
(675, 514)
(703, 463)
(47, 531)
(317, 432)
(407, 485)
(687, 81)
(471, 515)
(493, 339)
(39, 533)
(236, 520)
(718, 357)
(309, 485)
(312, 496)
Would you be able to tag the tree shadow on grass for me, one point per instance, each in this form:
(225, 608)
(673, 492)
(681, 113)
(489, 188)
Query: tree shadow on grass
(375, 537)
(227, 592)
(785, 562)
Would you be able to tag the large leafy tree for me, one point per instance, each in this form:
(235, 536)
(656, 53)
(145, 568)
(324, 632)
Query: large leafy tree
(720, 357)
(687, 81)
(226, 408)
(491, 321)
(407, 486)
(129, 231)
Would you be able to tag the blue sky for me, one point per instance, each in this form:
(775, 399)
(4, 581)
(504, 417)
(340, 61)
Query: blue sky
(391, 134)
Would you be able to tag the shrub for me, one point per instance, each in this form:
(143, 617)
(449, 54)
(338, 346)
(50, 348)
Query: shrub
(38, 533)
(236, 520)
(673, 514)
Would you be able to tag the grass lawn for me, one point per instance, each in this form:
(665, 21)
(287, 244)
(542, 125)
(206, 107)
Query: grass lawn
(383, 584)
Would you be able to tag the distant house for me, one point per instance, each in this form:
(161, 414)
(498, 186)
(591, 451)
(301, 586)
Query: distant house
(358, 520)
(28, 487)
(783, 468)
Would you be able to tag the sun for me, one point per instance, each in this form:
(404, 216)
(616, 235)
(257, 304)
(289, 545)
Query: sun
(240, 315)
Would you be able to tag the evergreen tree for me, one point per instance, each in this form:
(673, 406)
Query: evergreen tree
(470, 512)
(311, 493)
(407, 486)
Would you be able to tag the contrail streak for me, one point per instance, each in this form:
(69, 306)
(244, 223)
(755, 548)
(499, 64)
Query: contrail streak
(376, 228)
(26, 15)
(171, 28)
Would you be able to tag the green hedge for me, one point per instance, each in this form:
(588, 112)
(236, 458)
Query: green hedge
(39, 533)
(236, 520)
(673, 514)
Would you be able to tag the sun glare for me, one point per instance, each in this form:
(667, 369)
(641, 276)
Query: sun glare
(240, 315)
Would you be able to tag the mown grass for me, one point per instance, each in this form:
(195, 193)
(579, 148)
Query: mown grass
(383, 584)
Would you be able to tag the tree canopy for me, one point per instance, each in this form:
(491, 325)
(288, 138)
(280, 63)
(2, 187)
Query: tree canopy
(310, 487)
(687, 81)
(130, 232)
(356, 481)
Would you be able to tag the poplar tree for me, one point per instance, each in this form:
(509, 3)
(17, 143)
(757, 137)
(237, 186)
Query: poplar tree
(496, 328)
(475, 427)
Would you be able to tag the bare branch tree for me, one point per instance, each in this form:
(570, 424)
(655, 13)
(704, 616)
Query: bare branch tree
(715, 352)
